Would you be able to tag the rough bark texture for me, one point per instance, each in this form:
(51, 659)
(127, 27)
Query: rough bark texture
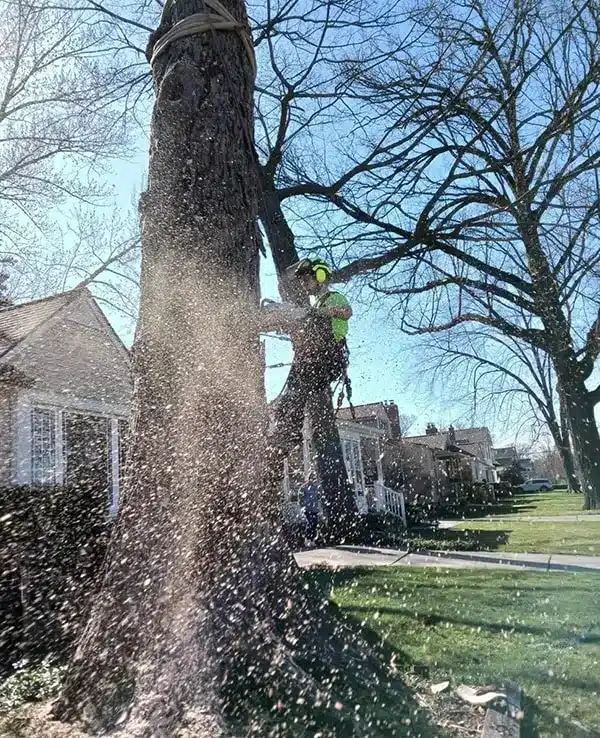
(192, 566)
(563, 442)
(586, 440)
(203, 627)
(281, 241)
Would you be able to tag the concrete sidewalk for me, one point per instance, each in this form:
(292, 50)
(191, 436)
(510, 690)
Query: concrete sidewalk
(365, 556)
(572, 518)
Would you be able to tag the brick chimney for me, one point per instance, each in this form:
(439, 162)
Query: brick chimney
(431, 430)
(394, 415)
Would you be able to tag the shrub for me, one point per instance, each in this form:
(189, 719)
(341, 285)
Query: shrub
(52, 543)
(30, 683)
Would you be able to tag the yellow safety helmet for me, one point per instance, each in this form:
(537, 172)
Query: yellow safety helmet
(319, 269)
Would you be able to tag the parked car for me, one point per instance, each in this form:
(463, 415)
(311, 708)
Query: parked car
(536, 485)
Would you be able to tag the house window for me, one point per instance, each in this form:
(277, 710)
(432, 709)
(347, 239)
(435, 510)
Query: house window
(43, 446)
(352, 458)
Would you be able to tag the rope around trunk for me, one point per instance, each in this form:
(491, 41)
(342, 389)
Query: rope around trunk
(219, 20)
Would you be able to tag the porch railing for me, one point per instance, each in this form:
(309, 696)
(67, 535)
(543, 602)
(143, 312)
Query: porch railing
(389, 501)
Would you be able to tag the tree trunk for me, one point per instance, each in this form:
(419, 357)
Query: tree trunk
(192, 568)
(281, 241)
(343, 520)
(566, 450)
(586, 439)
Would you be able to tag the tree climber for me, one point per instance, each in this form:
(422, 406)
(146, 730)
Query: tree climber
(320, 358)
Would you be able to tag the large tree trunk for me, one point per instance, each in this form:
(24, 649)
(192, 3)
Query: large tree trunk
(559, 344)
(565, 448)
(192, 568)
(281, 241)
(586, 439)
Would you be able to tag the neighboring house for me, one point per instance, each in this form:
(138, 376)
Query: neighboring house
(362, 450)
(508, 457)
(65, 391)
(466, 452)
(381, 415)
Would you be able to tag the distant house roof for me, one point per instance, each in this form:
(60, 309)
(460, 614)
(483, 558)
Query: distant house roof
(464, 438)
(18, 321)
(508, 452)
(434, 441)
(363, 412)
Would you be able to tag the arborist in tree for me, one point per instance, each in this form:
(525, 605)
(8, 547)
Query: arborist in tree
(320, 350)
(320, 358)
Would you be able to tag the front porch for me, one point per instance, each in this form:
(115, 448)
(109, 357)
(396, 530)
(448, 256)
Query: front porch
(362, 449)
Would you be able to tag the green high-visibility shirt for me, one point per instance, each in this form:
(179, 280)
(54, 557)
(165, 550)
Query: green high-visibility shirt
(339, 326)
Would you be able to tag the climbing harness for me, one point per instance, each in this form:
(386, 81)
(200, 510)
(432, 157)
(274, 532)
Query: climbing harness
(346, 385)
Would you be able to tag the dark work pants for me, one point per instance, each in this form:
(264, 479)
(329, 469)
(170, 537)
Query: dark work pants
(318, 362)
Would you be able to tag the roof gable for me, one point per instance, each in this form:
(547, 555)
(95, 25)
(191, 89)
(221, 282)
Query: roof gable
(19, 321)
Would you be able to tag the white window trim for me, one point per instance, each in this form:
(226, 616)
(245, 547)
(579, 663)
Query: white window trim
(22, 441)
(115, 448)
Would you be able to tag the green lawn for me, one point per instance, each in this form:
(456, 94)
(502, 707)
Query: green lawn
(533, 503)
(578, 537)
(479, 627)
(548, 503)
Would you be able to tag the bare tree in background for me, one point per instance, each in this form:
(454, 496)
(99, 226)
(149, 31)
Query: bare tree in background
(496, 190)
(5, 298)
(64, 115)
(504, 374)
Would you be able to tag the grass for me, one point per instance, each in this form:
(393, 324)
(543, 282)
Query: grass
(579, 537)
(479, 627)
(531, 504)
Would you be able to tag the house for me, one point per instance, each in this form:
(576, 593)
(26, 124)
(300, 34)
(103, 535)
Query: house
(466, 452)
(65, 392)
(362, 452)
(364, 436)
(381, 415)
(508, 457)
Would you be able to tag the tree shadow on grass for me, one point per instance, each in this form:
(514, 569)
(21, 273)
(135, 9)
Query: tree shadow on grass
(537, 716)
(431, 619)
(491, 510)
(392, 704)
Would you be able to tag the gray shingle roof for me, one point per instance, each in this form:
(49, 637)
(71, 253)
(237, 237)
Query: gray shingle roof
(369, 410)
(465, 437)
(18, 321)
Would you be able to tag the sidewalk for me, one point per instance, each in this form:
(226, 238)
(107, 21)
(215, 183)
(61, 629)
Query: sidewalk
(359, 556)
(572, 518)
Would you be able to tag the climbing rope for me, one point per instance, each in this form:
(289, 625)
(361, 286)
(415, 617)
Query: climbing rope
(219, 20)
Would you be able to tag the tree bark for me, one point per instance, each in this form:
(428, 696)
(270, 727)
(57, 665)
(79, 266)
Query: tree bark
(586, 439)
(566, 450)
(281, 241)
(339, 504)
(577, 402)
(196, 561)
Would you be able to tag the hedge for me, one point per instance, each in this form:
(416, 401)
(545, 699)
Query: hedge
(52, 543)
